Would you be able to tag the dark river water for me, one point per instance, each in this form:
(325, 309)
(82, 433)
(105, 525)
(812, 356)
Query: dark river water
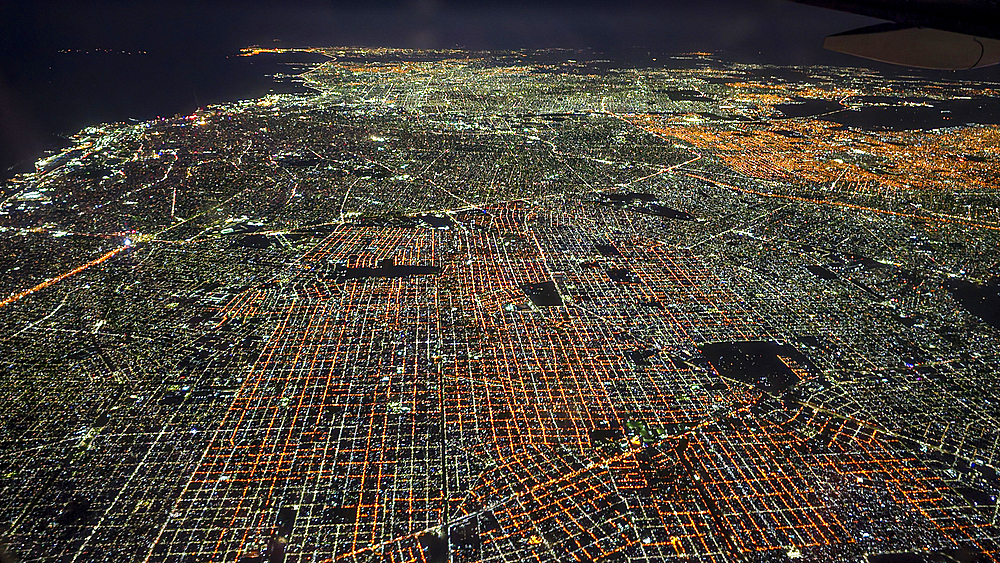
(76, 89)
(982, 301)
(889, 113)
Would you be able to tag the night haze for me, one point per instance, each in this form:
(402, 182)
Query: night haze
(65, 65)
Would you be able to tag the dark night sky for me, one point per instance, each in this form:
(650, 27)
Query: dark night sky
(769, 26)
(43, 92)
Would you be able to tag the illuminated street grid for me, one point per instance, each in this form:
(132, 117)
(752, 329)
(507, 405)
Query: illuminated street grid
(465, 306)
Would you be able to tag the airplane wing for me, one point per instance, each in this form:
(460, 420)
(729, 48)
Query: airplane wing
(936, 34)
